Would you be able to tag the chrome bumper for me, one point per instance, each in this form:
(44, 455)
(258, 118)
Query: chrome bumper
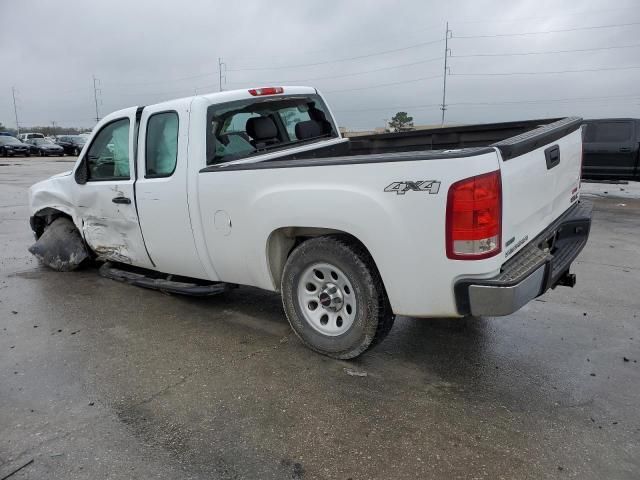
(542, 264)
(497, 301)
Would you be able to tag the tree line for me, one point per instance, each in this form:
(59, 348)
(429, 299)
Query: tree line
(47, 131)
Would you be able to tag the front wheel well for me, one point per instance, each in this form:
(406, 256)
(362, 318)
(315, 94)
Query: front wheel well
(44, 217)
(284, 240)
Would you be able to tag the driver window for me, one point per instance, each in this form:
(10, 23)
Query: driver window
(108, 155)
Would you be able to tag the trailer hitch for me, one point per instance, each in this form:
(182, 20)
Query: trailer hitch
(566, 280)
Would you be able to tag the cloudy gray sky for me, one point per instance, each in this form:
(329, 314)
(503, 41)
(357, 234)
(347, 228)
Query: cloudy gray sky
(371, 59)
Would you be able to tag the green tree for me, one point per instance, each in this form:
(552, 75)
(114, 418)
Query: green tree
(401, 122)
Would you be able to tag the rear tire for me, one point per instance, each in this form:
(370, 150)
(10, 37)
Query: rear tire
(76, 151)
(334, 298)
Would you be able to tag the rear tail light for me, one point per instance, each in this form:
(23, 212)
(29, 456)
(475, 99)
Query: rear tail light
(258, 92)
(474, 217)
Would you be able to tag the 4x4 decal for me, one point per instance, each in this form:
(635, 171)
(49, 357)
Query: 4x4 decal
(400, 188)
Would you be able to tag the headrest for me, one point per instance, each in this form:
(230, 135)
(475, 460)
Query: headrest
(261, 128)
(308, 129)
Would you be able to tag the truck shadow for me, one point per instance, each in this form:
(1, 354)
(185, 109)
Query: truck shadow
(444, 346)
(466, 356)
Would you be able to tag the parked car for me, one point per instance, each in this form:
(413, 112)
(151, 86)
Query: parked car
(44, 147)
(11, 146)
(612, 149)
(26, 136)
(72, 144)
(257, 187)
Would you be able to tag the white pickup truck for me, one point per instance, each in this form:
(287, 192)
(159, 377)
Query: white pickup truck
(257, 187)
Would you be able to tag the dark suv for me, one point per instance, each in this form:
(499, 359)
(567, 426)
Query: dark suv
(611, 149)
(72, 144)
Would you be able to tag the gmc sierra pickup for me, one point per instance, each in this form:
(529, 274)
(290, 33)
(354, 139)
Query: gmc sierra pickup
(257, 187)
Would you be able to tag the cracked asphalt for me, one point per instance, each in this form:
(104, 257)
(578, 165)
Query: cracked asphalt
(103, 380)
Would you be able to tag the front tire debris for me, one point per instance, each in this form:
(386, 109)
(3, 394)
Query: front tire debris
(60, 246)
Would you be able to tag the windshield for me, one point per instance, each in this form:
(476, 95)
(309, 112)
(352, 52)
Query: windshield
(247, 127)
(78, 140)
(9, 140)
(42, 141)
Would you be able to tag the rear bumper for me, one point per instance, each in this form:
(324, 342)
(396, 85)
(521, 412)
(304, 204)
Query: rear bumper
(542, 264)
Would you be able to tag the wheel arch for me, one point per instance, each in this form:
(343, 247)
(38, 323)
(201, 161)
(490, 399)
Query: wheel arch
(282, 241)
(44, 217)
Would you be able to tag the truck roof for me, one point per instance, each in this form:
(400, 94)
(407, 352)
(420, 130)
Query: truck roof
(243, 94)
(228, 96)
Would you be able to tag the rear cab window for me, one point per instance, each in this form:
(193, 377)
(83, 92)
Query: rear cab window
(245, 128)
(161, 145)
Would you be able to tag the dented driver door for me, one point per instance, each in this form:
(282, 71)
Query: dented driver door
(106, 202)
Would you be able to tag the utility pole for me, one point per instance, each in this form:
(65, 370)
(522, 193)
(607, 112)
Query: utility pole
(96, 91)
(221, 75)
(447, 52)
(15, 109)
(53, 128)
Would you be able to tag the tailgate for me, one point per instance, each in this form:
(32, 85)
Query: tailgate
(540, 173)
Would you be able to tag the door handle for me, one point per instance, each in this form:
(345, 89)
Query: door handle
(123, 200)
(625, 150)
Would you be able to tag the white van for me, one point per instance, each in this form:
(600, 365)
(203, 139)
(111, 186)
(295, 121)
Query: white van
(26, 136)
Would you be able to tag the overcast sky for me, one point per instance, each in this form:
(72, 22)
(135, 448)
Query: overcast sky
(370, 58)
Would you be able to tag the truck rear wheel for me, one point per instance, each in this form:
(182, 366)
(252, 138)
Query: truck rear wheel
(334, 298)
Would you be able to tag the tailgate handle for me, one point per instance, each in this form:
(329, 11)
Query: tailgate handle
(552, 154)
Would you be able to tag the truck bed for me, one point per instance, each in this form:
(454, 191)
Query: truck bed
(512, 139)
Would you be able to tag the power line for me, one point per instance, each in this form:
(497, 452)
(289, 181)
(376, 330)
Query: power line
(395, 107)
(183, 91)
(447, 52)
(282, 67)
(221, 75)
(96, 92)
(15, 109)
(507, 102)
(383, 85)
(159, 82)
(543, 73)
(340, 60)
(549, 31)
(547, 100)
(547, 52)
(363, 72)
(559, 14)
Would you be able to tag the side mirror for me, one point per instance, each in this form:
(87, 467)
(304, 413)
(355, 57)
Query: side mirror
(82, 172)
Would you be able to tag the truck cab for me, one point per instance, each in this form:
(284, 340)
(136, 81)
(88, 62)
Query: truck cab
(611, 149)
